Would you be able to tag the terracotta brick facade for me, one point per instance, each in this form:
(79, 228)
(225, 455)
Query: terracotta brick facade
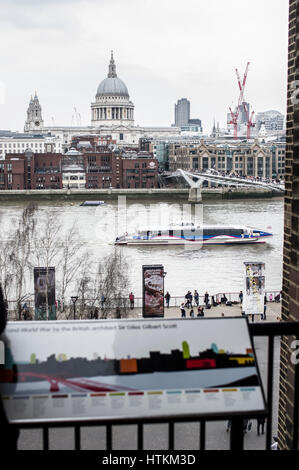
(102, 169)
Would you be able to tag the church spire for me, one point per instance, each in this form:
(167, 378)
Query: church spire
(112, 67)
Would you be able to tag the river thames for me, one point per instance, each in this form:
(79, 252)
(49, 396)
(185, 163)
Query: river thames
(213, 269)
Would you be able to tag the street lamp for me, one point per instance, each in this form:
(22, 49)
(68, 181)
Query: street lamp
(74, 300)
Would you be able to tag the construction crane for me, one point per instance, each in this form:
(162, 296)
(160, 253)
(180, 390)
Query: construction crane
(235, 115)
(249, 119)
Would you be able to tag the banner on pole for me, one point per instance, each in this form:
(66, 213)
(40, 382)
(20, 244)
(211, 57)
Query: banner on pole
(153, 291)
(44, 293)
(254, 292)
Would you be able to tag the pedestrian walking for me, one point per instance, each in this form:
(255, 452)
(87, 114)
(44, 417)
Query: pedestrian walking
(191, 312)
(131, 298)
(207, 297)
(264, 315)
(183, 311)
(196, 298)
(103, 299)
(261, 425)
(241, 297)
(167, 299)
(188, 298)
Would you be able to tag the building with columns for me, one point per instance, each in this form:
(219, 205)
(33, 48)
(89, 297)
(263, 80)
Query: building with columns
(245, 159)
(112, 101)
(112, 113)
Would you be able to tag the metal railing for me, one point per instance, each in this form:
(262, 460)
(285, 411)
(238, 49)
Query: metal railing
(86, 307)
(268, 330)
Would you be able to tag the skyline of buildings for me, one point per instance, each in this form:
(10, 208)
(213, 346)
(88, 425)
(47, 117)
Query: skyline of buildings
(112, 107)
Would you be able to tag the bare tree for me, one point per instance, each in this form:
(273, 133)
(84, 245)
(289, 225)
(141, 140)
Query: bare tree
(71, 259)
(85, 283)
(21, 250)
(6, 272)
(47, 246)
(112, 284)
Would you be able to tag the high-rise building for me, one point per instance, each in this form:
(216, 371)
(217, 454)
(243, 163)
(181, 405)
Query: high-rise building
(182, 117)
(182, 112)
(288, 417)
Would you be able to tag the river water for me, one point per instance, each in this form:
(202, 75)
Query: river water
(213, 269)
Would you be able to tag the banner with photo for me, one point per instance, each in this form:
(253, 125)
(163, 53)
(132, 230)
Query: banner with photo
(153, 291)
(254, 292)
(44, 293)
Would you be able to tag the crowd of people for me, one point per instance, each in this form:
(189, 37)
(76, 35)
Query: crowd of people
(197, 302)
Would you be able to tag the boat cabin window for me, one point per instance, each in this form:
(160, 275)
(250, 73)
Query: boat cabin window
(214, 232)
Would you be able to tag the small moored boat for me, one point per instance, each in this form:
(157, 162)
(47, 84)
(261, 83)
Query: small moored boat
(92, 203)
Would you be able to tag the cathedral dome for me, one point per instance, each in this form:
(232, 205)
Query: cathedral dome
(112, 85)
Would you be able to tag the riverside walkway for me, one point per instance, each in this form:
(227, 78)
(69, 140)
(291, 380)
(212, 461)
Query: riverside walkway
(273, 312)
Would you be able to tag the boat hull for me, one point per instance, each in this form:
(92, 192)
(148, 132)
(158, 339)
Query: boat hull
(208, 242)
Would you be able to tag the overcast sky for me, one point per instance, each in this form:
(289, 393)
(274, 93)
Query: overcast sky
(164, 50)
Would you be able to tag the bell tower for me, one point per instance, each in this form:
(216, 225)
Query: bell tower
(34, 120)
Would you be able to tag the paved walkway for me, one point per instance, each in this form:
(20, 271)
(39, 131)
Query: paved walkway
(273, 312)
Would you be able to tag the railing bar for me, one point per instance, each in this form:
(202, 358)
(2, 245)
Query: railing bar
(270, 391)
(140, 436)
(296, 405)
(45, 438)
(109, 437)
(237, 434)
(171, 435)
(202, 435)
(77, 431)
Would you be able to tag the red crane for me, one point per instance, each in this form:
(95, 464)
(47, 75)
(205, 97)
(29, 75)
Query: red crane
(250, 124)
(235, 115)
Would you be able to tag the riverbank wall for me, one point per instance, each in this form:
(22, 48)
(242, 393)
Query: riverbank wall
(134, 194)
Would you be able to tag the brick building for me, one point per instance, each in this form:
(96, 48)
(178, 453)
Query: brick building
(89, 165)
(287, 420)
(139, 170)
(30, 170)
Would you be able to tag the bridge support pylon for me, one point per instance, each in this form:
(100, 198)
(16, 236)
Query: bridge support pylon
(195, 195)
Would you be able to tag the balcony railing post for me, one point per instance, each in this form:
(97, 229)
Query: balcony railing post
(270, 391)
(237, 434)
(296, 406)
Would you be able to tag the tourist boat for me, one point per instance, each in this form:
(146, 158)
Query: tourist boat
(189, 233)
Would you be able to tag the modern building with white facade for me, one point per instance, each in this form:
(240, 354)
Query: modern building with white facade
(14, 142)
